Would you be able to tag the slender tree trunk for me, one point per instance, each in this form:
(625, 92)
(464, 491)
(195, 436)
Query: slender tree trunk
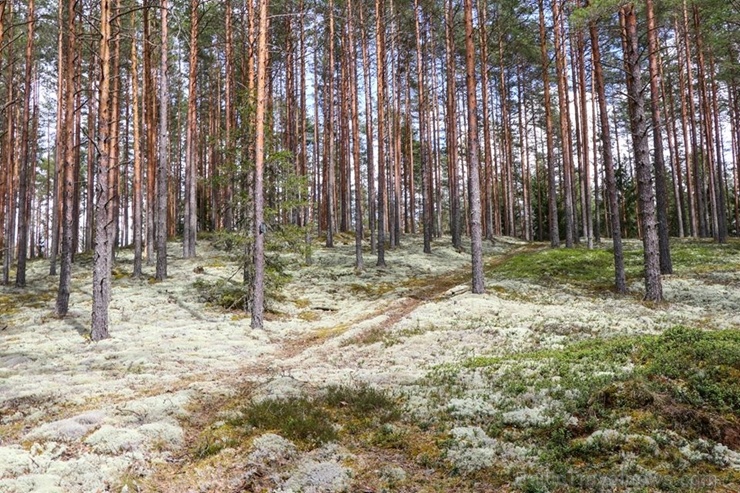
(687, 142)
(488, 180)
(138, 171)
(330, 154)
(11, 164)
(258, 308)
(721, 234)
(648, 219)
(163, 162)
(588, 227)
(425, 155)
(68, 185)
(554, 227)
(24, 189)
(380, 41)
(564, 123)
(620, 283)
(150, 122)
(371, 199)
(666, 266)
(102, 255)
(191, 151)
(452, 174)
(476, 240)
(352, 49)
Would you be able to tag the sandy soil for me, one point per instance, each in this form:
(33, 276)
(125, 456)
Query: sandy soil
(76, 416)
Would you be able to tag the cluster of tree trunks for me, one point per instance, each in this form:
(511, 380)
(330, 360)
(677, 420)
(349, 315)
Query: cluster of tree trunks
(342, 116)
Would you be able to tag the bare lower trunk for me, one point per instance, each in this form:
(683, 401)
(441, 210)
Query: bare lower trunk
(102, 255)
(161, 228)
(620, 283)
(638, 124)
(24, 195)
(258, 307)
(476, 246)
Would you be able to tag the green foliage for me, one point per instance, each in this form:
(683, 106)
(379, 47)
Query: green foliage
(578, 266)
(363, 402)
(698, 368)
(300, 420)
(311, 422)
(224, 293)
(698, 256)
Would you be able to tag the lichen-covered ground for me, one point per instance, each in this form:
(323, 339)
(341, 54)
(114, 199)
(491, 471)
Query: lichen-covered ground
(393, 379)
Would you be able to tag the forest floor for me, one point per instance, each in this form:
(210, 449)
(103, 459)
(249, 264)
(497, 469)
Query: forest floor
(392, 379)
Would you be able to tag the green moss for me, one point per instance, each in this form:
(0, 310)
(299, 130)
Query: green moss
(301, 420)
(312, 421)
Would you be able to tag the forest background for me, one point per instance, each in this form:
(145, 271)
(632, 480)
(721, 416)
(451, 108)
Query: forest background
(123, 124)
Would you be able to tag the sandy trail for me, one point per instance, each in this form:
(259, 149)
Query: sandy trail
(78, 417)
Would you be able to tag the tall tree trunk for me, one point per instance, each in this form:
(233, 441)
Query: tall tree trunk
(507, 146)
(553, 225)
(163, 161)
(687, 142)
(721, 234)
(191, 151)
(564, 123)
(25, 189)
(371, 199)
(620, 283)
(102, 255)
(488, 180)
(150, 124)
(476, 240)
(352, 58)
(588, 227)
(330, 154)
(68, 185)
(138, 171)
(56, 213)
(451, 139)
(11, 165)
(258, 307)
(425, 155)
(648, 219)
(666, 266)
(229, 123)
(380, 41)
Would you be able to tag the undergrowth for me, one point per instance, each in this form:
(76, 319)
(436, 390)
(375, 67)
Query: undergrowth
(650, 410)
(594, 269)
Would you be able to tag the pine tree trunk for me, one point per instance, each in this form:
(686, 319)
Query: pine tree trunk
(138, 171)
(452, 173)
(564, 124)
(380, 41)
(258, 306)
(424, 154)
(330, 153)
(488, 181)
(191, 152)
(352, 59)
(476, 240)
(638, 124)
(67, 166)
(371, 198)
(620, 283)
(163, 161)
(666, 266)
(552, 199)
(102, 255)
(150, 123)
(24, 195)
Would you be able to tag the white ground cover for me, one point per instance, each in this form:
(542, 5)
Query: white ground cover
(77, 416)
